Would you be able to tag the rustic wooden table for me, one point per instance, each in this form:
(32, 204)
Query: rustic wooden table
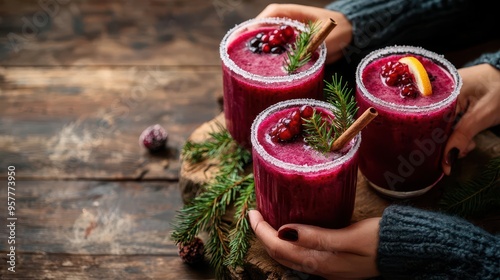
(79, 81)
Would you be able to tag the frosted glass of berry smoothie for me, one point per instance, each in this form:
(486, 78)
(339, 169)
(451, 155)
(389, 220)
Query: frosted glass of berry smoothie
(253, 55)
(294, 183)
(415, 92)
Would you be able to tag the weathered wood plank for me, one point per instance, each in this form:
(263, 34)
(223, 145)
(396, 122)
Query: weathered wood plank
(139, 32)
(86, 267)
(93, 218)
(85, 122)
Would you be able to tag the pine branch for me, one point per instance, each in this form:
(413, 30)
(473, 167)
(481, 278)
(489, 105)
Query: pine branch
(297, 56)
(318, 133)
(217, 246)
(341, 97)
(476, 195)
(199, 215)
(220, 141)
(240, 235)
(321, 134)
(227, 242)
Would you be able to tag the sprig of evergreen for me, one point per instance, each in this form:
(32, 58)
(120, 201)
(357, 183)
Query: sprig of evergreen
(475, 196)
(228, 241)
(318, 133)
(218, 142)
(297, 57)
(240, 235)
(321, 133)
(341, 97)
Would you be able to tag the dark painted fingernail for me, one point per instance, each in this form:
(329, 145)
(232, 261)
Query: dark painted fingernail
(288, 234)
(452, 156)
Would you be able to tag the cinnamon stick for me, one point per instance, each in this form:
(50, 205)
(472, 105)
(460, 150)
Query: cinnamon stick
(355, 128)
(319, 37)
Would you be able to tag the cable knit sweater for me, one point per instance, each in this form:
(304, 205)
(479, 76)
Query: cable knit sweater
(437, 25)
(418, 244)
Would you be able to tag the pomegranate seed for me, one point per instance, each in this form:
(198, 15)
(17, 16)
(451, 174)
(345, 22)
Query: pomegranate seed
(295, 127)
(295, 115)
(409, 90)
(287, 31)
(406, 79)
(285, 134)
(266, 48)
(306, 111)
(392, 79)
(265, 38)
(274, 40)
(398, 68)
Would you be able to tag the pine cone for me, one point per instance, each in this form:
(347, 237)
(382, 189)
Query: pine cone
(192, 252)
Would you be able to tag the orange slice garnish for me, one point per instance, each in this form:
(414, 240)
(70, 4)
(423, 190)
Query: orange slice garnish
(421, 78)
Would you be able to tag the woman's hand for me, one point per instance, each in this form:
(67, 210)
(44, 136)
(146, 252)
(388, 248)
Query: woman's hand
(348, 253)
(479, 105)
(340, 37)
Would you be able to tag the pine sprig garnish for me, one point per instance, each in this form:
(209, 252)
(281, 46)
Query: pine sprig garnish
(341, 97)
(297, 57)
(318, 133)
(228, 241)
(475, 196)
(321, 133)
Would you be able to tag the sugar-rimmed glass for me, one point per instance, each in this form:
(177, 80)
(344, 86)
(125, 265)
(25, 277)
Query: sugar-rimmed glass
(402, 149)
(246, 94)
(321, 193)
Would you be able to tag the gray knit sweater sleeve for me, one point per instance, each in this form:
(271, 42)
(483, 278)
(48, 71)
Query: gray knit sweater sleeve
(418, 244)
(424, 23)
(490, 58)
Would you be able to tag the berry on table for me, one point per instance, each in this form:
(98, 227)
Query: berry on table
(154, 138)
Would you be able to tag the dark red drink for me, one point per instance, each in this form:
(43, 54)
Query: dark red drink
(295, 183)
(402, 148)
(253, 80)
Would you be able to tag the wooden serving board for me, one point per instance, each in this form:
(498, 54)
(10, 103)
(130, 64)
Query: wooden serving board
(258, 265)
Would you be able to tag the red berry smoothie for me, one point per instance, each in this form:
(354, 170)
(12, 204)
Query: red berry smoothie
(295, 183)
(254, 77)
(402, 148)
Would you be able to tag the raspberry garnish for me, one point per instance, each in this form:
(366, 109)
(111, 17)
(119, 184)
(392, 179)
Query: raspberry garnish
(275, 41)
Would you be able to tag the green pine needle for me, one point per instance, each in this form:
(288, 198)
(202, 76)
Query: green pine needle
(297, 56)
(320, 133)
(476, 195)
(241, 234)
(341, 97)
(228, 241)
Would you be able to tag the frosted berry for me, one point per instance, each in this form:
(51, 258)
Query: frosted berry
(154, 138)
(192, 252)
(274, 41)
